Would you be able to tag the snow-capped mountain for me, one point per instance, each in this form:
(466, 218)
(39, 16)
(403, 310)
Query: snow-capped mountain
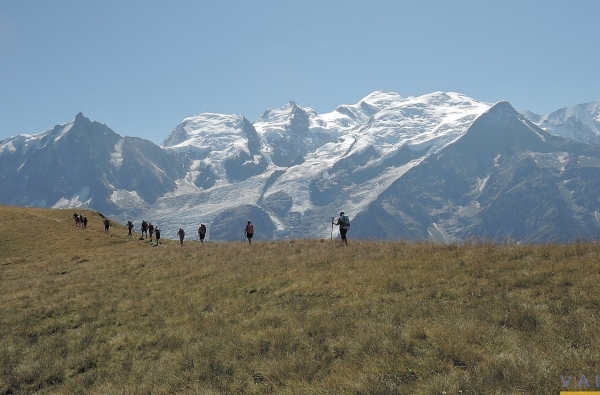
(84, 163)
(217, 147)
(503, 179)
(580, 123)
(318, 163)
(441, 166)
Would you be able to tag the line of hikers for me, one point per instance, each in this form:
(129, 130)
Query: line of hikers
(146, 228)
(149, 229)
(81, 221)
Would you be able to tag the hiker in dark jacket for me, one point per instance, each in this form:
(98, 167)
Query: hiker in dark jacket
(181, 234)
(144, 229)
(151, 230)
(130, 227)
(106, 225)
(202, 233)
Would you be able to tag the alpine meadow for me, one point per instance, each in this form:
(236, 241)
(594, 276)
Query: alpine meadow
(84, 311)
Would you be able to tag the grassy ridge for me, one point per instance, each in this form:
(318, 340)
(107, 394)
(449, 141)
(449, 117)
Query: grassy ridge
(86, 312)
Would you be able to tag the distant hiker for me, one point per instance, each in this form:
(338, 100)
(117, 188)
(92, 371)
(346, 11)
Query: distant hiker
(144, 229)
(106, 225)
(249, 231)
(75, 217)
(130, 227)
(84, 222)
(181, 234)
(77, 221)
(150, 230)
(202, 233)
(157, 233)
(344, 223)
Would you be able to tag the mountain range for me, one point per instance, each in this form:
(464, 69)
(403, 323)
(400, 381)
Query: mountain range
(441, 167)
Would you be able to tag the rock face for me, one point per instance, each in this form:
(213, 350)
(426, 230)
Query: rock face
(440, 167)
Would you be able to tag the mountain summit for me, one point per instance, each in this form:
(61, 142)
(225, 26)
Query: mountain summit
(580, 123)
(84, 163)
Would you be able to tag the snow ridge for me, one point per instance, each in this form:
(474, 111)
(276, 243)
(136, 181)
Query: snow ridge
(580, 122)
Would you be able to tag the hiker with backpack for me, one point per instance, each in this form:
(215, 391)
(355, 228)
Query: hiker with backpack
(344, 223)
(106, 225)
(157, 234)
(202, 233)
(150, 230)
(144, 229)
(130, 227)
(249, 231)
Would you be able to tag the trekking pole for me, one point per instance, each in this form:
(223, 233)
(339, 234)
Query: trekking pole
(332, 228)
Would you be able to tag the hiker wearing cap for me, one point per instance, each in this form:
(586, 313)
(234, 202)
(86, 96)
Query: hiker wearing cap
(249, 231)
(344, 223)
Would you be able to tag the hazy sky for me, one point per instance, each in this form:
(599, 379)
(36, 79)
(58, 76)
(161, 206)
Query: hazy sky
(140, 67)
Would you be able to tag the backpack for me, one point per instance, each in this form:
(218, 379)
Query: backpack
(250, 229)
(345, 222)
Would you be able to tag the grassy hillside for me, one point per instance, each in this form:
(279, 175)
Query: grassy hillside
(82, 311)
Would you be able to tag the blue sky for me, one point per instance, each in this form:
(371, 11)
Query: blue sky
(140, 67)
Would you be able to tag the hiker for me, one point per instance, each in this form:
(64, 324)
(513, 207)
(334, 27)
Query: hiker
(84, 222)
(150, 230)
(249, 231)
(77, 221)
(202, 233)
(344, 223)
(144, 229)
(75, 218)
(181, 234)
(106, 225)
(157, 233)
(130, 227)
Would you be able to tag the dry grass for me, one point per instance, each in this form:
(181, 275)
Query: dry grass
(85, 312)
